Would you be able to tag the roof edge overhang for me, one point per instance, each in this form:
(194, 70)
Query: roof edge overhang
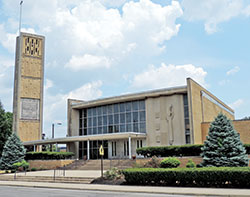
(131, 97)
(113, 136)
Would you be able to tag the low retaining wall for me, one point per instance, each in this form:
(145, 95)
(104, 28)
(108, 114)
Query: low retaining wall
(48, 164)
(183, 160)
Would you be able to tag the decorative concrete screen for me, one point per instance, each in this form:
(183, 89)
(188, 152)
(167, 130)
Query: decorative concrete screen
(30, 109)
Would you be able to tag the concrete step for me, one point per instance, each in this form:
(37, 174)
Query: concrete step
(96, 164)
(58, 179)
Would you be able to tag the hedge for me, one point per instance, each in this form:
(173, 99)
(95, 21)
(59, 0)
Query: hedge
(236, 177)
(177, 151)
(169, 151)
(48, 155)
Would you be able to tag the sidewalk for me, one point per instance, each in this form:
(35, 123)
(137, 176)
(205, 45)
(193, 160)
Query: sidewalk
(68, 173)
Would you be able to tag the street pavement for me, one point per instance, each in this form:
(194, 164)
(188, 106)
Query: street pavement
(7, 191)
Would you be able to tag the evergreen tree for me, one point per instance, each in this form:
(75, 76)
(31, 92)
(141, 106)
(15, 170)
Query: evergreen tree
(5, 127)
(13, 152)
(223, 146)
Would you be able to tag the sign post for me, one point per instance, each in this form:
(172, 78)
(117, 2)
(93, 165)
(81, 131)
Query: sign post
(101, 152)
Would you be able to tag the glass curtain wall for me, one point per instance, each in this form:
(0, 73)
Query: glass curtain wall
(113, 118)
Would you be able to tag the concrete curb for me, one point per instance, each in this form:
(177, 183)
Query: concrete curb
(135, 189)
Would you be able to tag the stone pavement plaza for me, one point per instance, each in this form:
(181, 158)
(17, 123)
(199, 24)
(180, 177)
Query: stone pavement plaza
(122, 188)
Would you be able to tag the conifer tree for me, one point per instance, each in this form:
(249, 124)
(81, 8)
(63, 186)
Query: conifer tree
(223, 146)
(13, 152)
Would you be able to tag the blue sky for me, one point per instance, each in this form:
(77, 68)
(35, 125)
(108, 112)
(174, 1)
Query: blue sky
(102, 48)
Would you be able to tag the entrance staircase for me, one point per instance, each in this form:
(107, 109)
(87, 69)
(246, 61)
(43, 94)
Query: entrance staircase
(96, 164)
(47, 179)
(59, 173)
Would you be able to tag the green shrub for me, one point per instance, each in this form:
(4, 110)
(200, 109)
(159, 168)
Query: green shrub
(190, 164)
(23, 164)
(191, 177)
(170, 151)
(33, 169)
(112, 174)
(176, 151)
(48, 155)
(154, 162)
(170, 162)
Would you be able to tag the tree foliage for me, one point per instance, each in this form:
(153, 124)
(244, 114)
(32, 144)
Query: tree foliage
(5, 126)
(223, 146)
(13, 152)
(246, 118)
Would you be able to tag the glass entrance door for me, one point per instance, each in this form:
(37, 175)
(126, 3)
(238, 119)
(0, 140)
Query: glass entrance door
(93, 149)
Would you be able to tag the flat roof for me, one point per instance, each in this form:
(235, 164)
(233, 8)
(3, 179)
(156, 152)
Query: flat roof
(131, 97)
(64, 140)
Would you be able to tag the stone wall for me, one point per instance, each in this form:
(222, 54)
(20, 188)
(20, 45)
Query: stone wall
(183, 160)
(165, 120)
(241, 126)
(48, 164)
(202, 109)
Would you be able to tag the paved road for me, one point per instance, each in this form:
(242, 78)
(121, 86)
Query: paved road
(10, 191)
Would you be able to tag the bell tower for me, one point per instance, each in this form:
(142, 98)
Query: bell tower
(28, 87)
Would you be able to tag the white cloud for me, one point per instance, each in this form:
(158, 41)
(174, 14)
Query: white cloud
(8, 40)
(236, 104)
(246, 11)
(87, 92)
(6, 82)
(233, 70)
(88, 61)
(113, 3)
(168, 76)
(48, 84)
(213, 12)
(88, 27)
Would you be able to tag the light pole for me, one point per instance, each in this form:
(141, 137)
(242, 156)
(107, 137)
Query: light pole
(53, 128)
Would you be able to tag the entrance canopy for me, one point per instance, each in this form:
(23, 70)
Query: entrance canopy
(65, 140)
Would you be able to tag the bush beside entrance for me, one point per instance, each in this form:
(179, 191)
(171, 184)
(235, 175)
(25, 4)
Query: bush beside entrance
(48, 155)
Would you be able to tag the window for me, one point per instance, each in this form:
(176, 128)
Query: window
(186, 119)
(128, 117)
(113, 118)
(113, 149)
(135, 105)
(126, 148)
(139, 143)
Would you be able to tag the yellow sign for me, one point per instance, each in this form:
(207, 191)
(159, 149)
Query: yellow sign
(101, 150)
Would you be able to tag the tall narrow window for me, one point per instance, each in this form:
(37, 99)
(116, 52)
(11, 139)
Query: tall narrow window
(186, 119)
(113, 149)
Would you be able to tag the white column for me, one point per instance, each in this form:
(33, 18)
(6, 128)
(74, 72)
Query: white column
(88, 156)
(129, 147)
(34, 148)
